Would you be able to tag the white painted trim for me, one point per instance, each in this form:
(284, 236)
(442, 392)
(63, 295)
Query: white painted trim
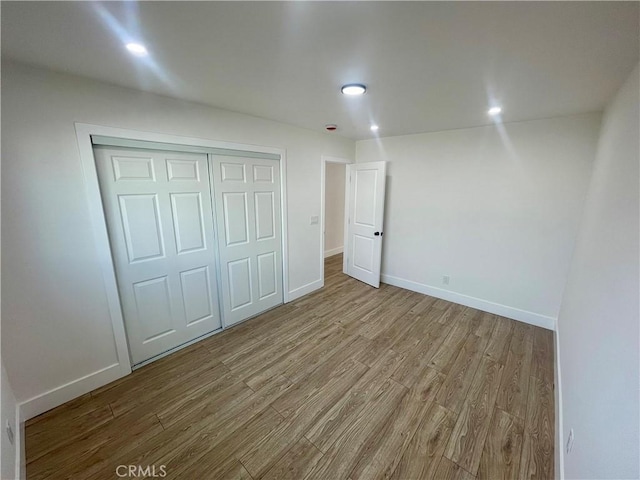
(333, 251)
(101, 239)
(20, 459)
(347, 222)
(323, 173)
(330, 159)
(99, 224)
(558, 399)
(305, 290)
(99, 140)
(170, 138)
(473, 302)
(286, 295)
(62, 394)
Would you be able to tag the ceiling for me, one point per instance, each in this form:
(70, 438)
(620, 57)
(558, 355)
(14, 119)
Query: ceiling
(428, 66)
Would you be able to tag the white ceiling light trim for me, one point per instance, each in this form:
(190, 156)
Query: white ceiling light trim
(353, 89)
(494, 111)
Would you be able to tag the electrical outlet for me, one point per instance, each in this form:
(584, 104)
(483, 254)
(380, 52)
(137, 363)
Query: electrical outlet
(570, 441)
(445, 279)
(9, 432)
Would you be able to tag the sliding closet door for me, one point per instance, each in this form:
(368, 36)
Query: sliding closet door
(247, 198)
(158, 210)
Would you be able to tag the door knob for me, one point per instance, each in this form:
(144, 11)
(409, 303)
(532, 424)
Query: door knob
(378, 234)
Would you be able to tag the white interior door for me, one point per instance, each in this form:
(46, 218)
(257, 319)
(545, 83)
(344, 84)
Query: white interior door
(158, 210)
(363, 237)
(247, 198)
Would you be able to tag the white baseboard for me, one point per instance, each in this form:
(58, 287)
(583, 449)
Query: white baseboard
(54, 398)
(304, 290)
(333, 251)
(473, 302)
(559, 460)
(62, 394)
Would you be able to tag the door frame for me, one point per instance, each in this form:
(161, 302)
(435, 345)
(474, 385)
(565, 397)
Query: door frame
(84, 132)
(324, 159)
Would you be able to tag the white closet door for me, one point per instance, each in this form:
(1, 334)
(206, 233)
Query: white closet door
(158, 210)
(247, 194)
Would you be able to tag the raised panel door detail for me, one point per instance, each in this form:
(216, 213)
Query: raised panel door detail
(240, 283)
(232, 172)
(249, 221)
(267, 281)
(363, 236)
(196, 294)
(188, 223)
(265, 220)
(154, 308)
(365, 198)
(236, 227)
(182, 170)
(132, 168)
(363, 253)
(141, 226)
(162, 241)
(263, 174)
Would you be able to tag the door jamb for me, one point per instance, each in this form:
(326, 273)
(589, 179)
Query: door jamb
(99, 224)
(324, 159)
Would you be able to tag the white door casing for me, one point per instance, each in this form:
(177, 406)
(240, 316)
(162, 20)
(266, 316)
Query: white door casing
(248, 216)
(364, 233)
(159, 216)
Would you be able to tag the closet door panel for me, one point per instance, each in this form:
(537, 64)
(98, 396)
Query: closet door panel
(160, 221)
(247, 198)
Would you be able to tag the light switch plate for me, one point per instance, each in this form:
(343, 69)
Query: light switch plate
(314, 219)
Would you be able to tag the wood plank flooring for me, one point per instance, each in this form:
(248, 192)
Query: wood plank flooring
(347, 383)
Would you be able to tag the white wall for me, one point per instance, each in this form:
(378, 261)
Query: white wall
(334, 208)
(8, 415)
(598, 326)
(496, 208)
(55, 321)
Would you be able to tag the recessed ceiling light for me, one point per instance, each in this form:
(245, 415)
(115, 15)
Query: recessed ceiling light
(494, 110)
(137, 49)
(353, 89)
(374, 128)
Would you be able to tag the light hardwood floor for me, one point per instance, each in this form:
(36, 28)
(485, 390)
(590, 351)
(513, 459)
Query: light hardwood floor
(349, 382)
